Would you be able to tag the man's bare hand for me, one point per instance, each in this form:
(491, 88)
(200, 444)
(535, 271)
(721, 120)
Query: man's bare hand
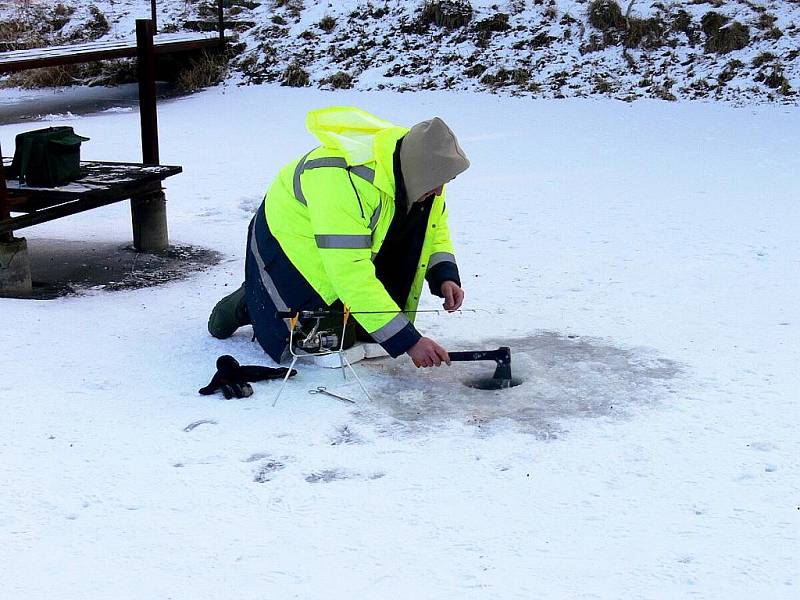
(453, 296)
(427, 353)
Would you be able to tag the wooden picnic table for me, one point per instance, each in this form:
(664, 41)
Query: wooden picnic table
(100, 183)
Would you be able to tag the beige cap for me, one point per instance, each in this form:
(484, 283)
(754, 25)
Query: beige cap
(429, 157)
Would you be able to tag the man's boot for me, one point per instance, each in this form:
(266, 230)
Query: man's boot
(228, 315)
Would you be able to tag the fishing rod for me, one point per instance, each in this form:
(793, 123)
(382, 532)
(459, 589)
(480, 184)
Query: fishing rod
(321, 337)
(323, 312)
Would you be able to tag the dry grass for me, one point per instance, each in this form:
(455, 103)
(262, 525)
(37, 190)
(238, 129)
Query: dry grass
(475, 70)
(293, 7)
(44, 78)
(39, 24)
(35, 25)
(327, 23)
(763, 59)
(295, 76)
(603, 86)
(110, 72)
(633, 32)
(16, 35)
(766, 21)
(519, 77)
(730, 71)
(663, 93)
(96, 27)
(776, 80)
(450, 14)
(682, 21)
(495, 23)
(606, 14)
(339, 81)
(648, 33)
(722, 35)
(207, 70)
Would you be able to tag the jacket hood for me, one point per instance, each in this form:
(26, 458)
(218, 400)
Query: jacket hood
(360, 137)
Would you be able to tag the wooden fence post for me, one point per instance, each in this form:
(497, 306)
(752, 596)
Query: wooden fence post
(146, 73)
(5, 210)
(153, 15)
(148, 212)
(221, 23)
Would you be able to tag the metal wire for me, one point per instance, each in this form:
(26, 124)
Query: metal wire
(326, 312)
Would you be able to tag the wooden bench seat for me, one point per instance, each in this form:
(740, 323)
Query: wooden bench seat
(100, 183)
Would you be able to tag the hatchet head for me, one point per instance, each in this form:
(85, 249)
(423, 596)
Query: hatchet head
(502, 357)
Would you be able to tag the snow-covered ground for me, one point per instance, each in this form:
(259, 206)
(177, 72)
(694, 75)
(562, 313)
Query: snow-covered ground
(540, 49)
(641, 260)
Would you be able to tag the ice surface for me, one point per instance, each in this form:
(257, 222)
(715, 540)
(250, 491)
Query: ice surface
(642, 257)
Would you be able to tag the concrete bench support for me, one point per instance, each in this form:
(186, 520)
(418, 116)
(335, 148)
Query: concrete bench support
(15, 269)
(149, 218)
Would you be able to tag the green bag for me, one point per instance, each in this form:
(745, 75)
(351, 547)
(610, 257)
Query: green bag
(47, 157)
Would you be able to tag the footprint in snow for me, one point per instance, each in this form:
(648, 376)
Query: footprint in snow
(249, 204)
(195, 424)
(256, 456)
(329, 475)
(266, 470)
(345, 435)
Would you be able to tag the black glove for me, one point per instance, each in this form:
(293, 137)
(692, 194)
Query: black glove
(232, 378)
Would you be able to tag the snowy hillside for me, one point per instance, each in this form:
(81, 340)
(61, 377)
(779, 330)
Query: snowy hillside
(741, 51)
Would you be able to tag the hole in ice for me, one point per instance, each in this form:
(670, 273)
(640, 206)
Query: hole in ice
(490, 383)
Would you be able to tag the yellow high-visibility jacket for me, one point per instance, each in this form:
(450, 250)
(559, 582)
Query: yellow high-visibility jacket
(331, 209)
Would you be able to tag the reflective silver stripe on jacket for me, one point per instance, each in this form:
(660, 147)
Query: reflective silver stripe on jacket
(365, 173)
(373, 222)
(326, 161)
(343, 241)
(393, 327)
(440, 257)
(266, 280)
(298, 189)
(334, 161)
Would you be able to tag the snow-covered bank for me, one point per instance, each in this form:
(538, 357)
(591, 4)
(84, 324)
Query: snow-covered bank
(662, 235)
(737, 51)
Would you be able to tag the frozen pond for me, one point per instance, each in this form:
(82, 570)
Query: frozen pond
(18, 106)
